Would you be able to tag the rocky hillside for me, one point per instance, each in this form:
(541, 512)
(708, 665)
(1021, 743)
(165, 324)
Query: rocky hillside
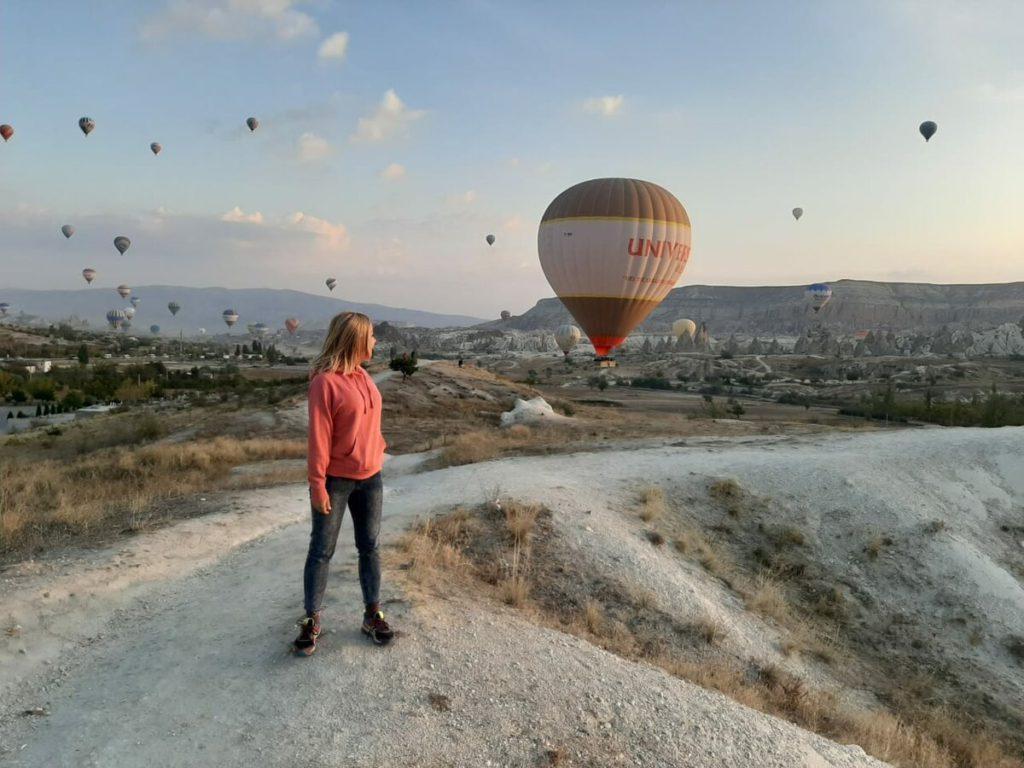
(781, 310)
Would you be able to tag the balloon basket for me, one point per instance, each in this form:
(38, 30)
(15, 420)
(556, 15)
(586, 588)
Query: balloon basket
(606, 362)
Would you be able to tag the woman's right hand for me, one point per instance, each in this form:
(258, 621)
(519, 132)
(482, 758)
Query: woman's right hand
(323, 507)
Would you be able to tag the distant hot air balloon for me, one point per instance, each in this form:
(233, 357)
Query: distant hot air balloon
(126, 324)
(490, 239)
(122, 244)
(230, 317)
(129, 312)
(253, 123)
(86, 124)
(6, 132)
(202, 331)
(155, 147)
(154, 329)
(505, 314)
(250, 328)
(261, 329)
(124, 291)
(89, 274)
(928, 129)
(292, 324)
(135, 301)
(116, 318)
(567, 337)
(684, 327)
(4, 307)
(330, 282)
(612, 249)
(797, 213)
(174, 307)
(67, 230)
(818, 295)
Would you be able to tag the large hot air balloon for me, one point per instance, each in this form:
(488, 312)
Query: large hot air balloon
(67, 230)
(490, 239)
(684, 327)
(4, 306)
(928, 129)
(6, 132)
(154, 329)
(797, 213)
(116, 318)
(330, 282)
(89, 274)
(253, 123)
(122, 244)
(124, 291)
(230, 317)
(505, 314)
(135, 301)
(174, 307)
(86, 124)
(155, 147)
(612, 249)
(292, 324)
(818, 295)
(567, 337)
(129, 312)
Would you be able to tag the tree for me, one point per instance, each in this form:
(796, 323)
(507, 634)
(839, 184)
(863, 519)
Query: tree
(647, 348)
(404, 364)
(39, 410)
(83, 355)
(238, 350)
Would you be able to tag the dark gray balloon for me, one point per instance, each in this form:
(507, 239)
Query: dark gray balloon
(174, 307)
(67, 230)
(86, 124)
(253, 123)
(122, 244)
(155, 147)
(928, 129)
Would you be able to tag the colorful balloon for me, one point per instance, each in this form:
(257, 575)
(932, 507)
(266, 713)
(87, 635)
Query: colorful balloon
(129, 312)
(253, 123)
(6, 132)
(684, 327)
(928, 129)
(122, 244)
(567, 337)
(154, 329)
(89, 274)
(116, 318)
(797, 213)
(124, 291)
(612, 249)
(174, 307)
(818, 295)
(136, 301)
(330, 282)
(67, 230)
(292, 325)
(261, 329)
(230, 317)
(86, 124)
(490, 239)
(155, 148)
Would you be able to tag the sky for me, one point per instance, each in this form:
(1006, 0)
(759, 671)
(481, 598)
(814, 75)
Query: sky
(394, 136)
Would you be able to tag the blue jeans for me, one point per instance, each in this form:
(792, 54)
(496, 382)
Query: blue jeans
(364, 499)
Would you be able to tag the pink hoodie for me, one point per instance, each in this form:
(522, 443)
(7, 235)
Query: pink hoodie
(344, 429)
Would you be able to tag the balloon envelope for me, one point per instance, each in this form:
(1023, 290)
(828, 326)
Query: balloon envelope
(253, 123)
(567, 337)
(124, 291)
(6, 132)
(67, 230)
(230, 317)
(136, 301)
(4, 306)
(928, 129)
(612, 249)
(684, 327)
(129, 312)
(86, 124)
(490, 239)
(116, 317)
(89, 274)
(797, 213)
(505, 314)
(122, 244)
(154, 329)
(330, 282)
(292, 324)
(155, 147)
(818, 295)
(174, 307)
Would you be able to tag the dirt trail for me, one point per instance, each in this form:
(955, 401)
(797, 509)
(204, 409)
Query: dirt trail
(184, 662)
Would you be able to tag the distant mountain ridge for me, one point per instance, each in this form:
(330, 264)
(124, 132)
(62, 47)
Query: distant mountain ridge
(782, 310)
(202, 308)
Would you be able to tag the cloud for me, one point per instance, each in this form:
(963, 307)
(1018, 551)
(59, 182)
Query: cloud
(230, 20)
(606, 106)
(461, 200)
(334, 47)
(391, 118)
(312, 148)
(334, 236)
(1008, 94)
(513, 223)
(238, 216)
(393, 172)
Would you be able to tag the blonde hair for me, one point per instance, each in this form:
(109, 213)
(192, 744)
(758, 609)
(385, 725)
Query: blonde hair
(348, 339)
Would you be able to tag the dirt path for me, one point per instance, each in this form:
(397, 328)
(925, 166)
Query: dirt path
(184, 662)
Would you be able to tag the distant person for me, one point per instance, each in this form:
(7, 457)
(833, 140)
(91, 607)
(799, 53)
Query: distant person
(460, 362)
(346, 453)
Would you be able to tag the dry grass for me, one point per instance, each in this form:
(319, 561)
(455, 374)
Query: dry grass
(710, 629)
(874, 547)
(767, 598)
(50, 502)
(652, 503)
(593, 617)
(486, 444)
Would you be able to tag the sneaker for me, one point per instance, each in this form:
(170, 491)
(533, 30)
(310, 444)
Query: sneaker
(378, 629)
(309, 633)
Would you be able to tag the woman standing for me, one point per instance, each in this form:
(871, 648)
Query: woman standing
(346, 453)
